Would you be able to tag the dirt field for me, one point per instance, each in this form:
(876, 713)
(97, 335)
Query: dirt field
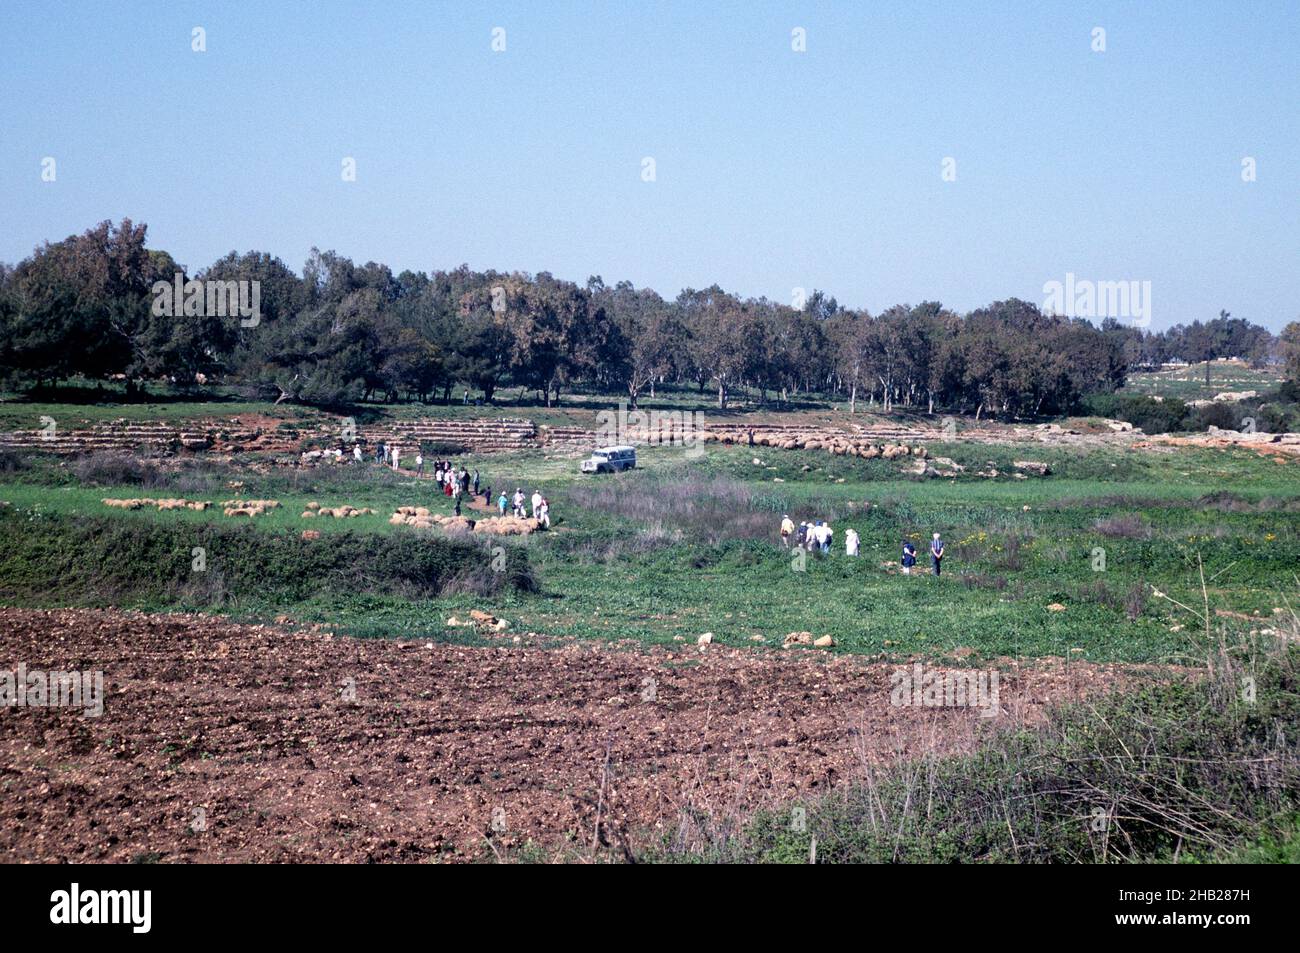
(442, 747)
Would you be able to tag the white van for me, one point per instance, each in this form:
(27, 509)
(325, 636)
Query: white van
(610, 460)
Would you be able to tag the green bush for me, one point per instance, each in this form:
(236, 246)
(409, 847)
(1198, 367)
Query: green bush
(1153, 416)
(103, 559)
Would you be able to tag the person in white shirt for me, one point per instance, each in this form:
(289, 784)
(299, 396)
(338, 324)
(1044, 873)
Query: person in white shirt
(536, 501)
(787, 527)
(517, 501)
(851, 542)
(397, 457)
(356, 453)
(544, 513)
(419, 464)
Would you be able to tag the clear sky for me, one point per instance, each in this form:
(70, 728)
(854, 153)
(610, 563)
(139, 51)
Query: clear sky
(774, 169)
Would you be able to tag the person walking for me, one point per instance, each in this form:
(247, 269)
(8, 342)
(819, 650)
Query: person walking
(356, 452)
(518, 501)
(802, 538)
(397, 458)
(476, 482)
(787, 527)
(936, 553)
(544, 514)
(850, 542)
(419, 464)
(828, 536)
(503, 502)
(536, 501)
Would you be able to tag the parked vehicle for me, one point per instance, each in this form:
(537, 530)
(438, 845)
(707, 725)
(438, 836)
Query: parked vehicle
(610, 460)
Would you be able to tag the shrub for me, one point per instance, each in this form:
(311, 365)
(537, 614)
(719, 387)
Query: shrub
(1225, 416)
(112, 468)
(1126, 526)
(443, 448)
(90, 560)
(1153, 416)
(12, 462)
(709, 510)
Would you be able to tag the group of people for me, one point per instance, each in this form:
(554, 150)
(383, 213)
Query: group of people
(814, 536)
(453, 482)
(457, 482)
(518, 506)
(818, 536)
(445, 473)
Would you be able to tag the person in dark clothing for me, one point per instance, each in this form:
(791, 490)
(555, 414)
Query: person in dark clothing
(909, 557)
(936, 553)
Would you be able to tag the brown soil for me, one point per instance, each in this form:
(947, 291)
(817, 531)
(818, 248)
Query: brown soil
(248, 723)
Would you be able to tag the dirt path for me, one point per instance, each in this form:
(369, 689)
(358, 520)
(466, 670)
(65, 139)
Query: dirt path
(442, 748)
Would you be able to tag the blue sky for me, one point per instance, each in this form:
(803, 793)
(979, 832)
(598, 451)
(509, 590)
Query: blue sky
(774, 169)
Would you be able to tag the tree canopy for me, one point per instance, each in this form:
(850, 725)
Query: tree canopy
(341, 332)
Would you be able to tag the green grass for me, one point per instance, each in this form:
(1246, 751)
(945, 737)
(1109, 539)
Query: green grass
(1014, 547)
(1188, 383)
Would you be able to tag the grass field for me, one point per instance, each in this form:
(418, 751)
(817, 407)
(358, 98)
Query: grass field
(1188, 383)
(680, 547)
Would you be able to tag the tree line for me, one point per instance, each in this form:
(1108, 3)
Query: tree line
(339, 332)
